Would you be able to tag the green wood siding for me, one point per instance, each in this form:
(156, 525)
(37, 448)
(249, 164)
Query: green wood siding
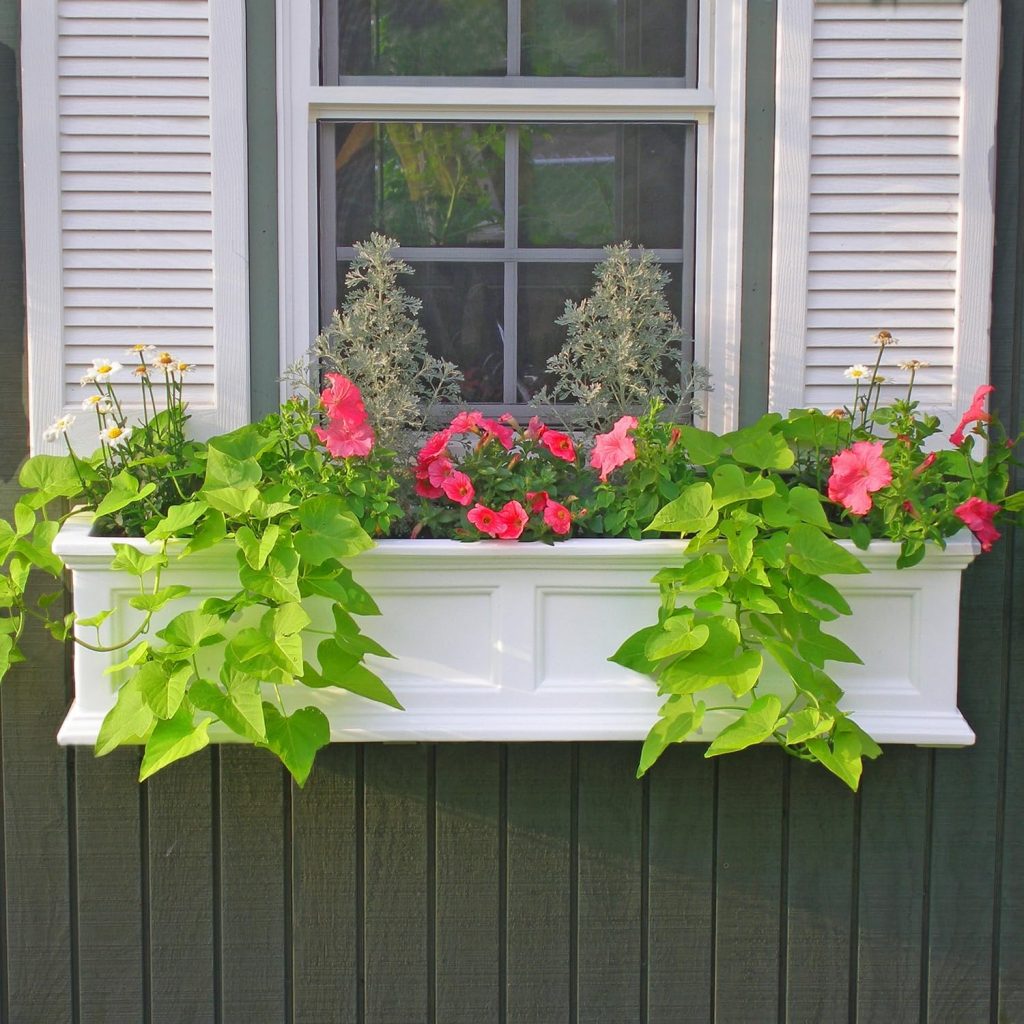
(519, 883)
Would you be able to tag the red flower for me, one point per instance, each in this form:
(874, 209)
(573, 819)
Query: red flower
(486, 520)
(438, 470)
(558, 517)
(347, 432)
(343, 401)
(535, 430)
(976, 414)
(977, 516)
(435, 445)
(928, 460)
(505, 435)
(467, 422)
(560, 445)
(459, 488)
(514, 518)
(615, 448)
(857, 472)
(538, 501)
(343, 439)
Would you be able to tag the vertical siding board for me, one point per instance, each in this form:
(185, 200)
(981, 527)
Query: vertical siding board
(749, 873)
(893, 856)
(538, 921)
(609, 900)
(110, 928)
(326, 889)
(181, 895)
(963, 853)
(680, 887)
(251, 908)
(819, 895)
(468, 902)
(36, 838)
(1008, 373)
(399, 883)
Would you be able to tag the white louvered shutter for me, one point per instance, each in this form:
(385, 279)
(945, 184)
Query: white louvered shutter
(883, 197)
(144, 166)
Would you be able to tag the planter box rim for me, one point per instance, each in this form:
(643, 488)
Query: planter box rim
(75, 541)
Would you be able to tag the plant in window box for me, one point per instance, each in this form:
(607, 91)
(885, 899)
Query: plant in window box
(739, 634)
(624, 347)
(274, 508)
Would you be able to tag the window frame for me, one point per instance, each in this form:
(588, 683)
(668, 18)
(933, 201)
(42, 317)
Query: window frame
(715, 105)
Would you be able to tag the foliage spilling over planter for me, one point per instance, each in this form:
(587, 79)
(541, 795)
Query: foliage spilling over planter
(303, 492)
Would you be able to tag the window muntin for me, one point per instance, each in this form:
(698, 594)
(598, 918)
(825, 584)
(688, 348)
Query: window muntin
(503, 223)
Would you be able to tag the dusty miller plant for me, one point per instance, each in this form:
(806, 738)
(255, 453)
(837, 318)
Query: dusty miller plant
(624, 347)
(376, 340)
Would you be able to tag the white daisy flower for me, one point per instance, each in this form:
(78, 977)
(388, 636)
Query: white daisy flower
(856, 372)
(97, 403)
(58, 427)
(115, 436)
(913, 364)
(884, 339)
(143, 351)
(103, 369)
(164, 361)
(183, 368)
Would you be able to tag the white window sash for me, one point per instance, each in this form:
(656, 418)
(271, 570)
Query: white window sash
(716, 106)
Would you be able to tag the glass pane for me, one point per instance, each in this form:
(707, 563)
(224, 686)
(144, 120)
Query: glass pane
(543, 291)
(597, 38)
(420, 37)
(463, 316)
(591, 184)
(424, 184)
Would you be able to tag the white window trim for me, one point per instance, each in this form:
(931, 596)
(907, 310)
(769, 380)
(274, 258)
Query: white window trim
(980, 94)
(717, 106)
(44, 277)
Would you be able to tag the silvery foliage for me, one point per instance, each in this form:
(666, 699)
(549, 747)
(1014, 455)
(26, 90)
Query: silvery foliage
(624, 348)
(376, 340)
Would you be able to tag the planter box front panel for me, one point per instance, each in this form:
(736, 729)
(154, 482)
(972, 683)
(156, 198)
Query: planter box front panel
(498, 641)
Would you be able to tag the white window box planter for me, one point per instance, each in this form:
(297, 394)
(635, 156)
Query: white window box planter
(500, 641)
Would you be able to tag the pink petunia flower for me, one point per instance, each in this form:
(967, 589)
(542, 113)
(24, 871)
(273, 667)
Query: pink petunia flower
(343, 439)
(458, 487)
(977, 516)
(438, 470)
(465, 422)
(437, 444)
(856, 473)
(558, 517)
(538, 501)
(343, 401)
(560, 445)
(514, 518)
(486, 520)
(926, 463)
(505, 435)
(535, 430)
(615, 448)
(976, 414)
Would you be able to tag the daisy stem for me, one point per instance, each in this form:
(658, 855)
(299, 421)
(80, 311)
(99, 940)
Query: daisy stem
(74, 460)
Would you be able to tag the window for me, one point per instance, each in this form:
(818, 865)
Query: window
(504, 143)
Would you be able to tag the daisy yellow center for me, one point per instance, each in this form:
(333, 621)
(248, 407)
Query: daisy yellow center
(114, 432)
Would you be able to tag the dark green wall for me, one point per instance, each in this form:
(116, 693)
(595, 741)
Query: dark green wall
(519, 883)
